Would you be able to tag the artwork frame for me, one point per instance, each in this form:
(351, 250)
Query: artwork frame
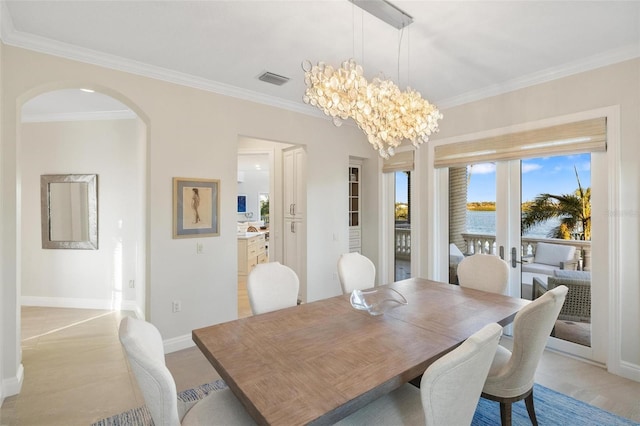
(242, 203)
(196, 207)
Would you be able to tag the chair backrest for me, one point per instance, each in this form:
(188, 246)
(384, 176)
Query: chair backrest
(450, 388)
(356, 272)
(531, 329)
(553, 254)
(272, 286)
(143, 345)
(484, 272)
(577, 305)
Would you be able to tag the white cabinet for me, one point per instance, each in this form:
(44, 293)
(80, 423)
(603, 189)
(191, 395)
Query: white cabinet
(355, 242)
(295, 251)
(294, 207)
(294, 164)
(251, 251)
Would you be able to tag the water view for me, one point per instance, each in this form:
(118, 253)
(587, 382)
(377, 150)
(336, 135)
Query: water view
(484, 222)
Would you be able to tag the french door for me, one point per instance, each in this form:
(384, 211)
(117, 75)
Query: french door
(499, 196)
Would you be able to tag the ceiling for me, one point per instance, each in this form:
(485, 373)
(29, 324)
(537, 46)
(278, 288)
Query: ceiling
(453, 52)
(253, 162)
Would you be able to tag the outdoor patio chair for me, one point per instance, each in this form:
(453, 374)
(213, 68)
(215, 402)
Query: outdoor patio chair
(549, 257)
(577, 306)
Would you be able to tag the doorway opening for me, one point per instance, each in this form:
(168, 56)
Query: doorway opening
(402, 225)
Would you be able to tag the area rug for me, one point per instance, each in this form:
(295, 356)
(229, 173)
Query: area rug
(141, 417)
(552, 409)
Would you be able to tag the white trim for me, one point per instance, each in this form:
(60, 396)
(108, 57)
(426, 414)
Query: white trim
(628, 370)
(51, 47)
(587, 64)
(416, 203)
(12, 385)
(177, 343)
(386, 250)
(47, 46)
(66, 302)
(614, 356)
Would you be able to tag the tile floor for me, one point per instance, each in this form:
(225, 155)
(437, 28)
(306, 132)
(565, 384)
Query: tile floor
(76, 372)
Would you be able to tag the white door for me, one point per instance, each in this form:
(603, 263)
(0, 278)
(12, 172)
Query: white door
(592, 131)
(519, 228)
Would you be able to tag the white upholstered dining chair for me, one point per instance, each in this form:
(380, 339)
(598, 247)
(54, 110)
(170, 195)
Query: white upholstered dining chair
(272, 286)
(511, 375)
(484, 272)
(356, 272)
(144, 349)
(449, 389)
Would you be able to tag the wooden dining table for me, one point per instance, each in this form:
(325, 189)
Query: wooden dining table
(318, 362)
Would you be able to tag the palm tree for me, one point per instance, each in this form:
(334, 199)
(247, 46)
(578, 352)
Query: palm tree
(571, 209)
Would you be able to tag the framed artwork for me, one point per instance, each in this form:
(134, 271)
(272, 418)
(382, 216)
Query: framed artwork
(196, 207)
(242, 203)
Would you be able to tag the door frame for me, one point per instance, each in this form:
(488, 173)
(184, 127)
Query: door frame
(387, 221)
(607, 309)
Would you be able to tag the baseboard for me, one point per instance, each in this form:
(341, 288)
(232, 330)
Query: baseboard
(178, 343)
(12, 386)
(66, 302)
(629, 371)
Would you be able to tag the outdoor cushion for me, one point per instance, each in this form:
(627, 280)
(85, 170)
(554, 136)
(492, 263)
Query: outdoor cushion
(553, 254)
(573, 275)
(539, 268)
(455, 255)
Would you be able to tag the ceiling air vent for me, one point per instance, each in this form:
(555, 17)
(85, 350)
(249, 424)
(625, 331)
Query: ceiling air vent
(272, 78)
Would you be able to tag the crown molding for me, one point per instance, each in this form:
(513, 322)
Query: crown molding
(597, 61)
(44, 45)
(51, 47)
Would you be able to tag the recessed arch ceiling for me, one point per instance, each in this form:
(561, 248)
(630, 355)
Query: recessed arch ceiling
(74, 105)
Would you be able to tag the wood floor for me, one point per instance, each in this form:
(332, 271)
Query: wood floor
(76, 372)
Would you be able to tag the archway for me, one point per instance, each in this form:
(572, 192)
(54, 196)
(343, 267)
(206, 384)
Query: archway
(65, 143)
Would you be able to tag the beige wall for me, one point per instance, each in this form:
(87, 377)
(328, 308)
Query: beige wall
(191, 133)
(89, 278)
(616, 85)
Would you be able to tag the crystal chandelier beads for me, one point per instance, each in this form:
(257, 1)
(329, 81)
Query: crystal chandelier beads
(380, 109)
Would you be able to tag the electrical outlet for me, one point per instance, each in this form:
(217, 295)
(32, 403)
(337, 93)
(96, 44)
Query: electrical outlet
(199, 248)
(177, 306)
(335, 276)
(132, 283)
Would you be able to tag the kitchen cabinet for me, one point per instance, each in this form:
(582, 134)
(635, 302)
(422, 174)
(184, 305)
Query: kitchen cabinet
(251, 251)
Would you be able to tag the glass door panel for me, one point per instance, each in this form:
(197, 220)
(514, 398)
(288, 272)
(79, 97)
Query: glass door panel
(556, 238)
(402, 231)
(472, 213)
(509, 208)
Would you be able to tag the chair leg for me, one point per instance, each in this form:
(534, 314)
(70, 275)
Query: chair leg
(505, 413)
(530, 409)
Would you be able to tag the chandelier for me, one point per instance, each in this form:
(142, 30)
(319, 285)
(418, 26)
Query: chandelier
(387, 115)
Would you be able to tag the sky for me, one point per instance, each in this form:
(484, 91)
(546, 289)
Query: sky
(553, 175)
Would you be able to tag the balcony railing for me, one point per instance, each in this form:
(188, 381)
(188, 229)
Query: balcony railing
(403, 243)
(485, 243)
